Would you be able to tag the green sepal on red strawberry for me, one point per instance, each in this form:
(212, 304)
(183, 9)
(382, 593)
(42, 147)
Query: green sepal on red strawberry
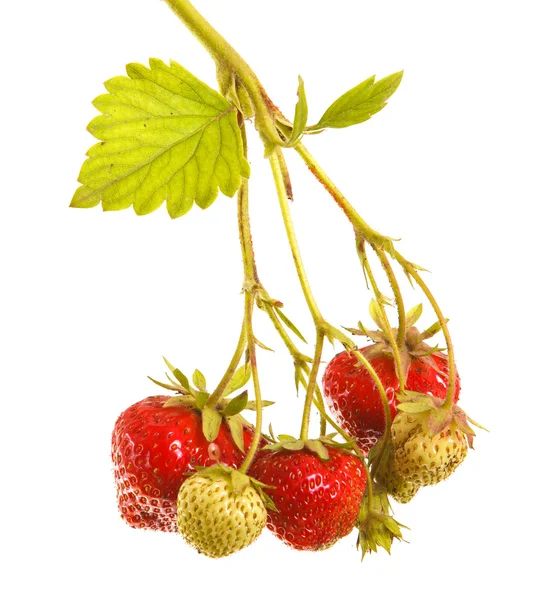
(318, 499)
(353, 397)
(318, 446)
(154, 448)
(225, 409)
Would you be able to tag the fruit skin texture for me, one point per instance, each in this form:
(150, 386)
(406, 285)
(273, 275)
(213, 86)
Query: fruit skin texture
(317, 501)
(422, 459)
(151, 448)
(215, 520)
(355, 402)
(396, 486)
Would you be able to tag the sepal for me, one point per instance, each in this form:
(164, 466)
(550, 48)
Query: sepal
(376, 528)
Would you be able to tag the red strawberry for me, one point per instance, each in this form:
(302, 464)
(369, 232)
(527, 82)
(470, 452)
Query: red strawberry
(355, 401)
(318, 501)
(152, 447)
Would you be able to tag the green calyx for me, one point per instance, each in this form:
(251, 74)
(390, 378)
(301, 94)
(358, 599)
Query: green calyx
(236, 480)
(318, 446)
(414, 346)
(226, 408)
(376, 528)
(434, 416)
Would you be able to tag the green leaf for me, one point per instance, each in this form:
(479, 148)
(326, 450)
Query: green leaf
(289, 324)
(236, 431)
(236, 405)
(360, 103)
(165, 137)
(301, 115)
(212, 421)
(199, 380)
(239, 379)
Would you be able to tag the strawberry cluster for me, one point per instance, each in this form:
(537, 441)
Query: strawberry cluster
(191, 462)
(174, 472)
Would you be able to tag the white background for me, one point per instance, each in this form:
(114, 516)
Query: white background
(458, 166)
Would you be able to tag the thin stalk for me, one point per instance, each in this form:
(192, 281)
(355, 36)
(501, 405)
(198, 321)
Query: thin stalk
(279, 169)
(250, 291)
(250, 302)
(234, 362)
(451, 388)
(379, 299)
(371, 235)
(386, 410)
(385, 244)
(276, 161)
(399, 302)
(311, 386)
(225, 56)
(300, 360)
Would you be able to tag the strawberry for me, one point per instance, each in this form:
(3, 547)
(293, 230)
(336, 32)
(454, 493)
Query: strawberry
(352, 396)
(423, 456)
(317, 500)
(396, 486)
(153, 447)
(220, 511)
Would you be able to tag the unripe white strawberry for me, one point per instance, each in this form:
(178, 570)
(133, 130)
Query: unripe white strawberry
(422, 458)
(219, 511)
(396, 486)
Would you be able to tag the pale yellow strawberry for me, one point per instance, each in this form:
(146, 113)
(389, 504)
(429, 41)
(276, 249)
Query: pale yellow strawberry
(217, 516)
(423, 459)
(397, 487)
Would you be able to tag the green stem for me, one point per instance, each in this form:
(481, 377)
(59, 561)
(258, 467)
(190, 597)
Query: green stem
(226, 57)
(385, 244)
(371, 235)
(279, 171)
(311, 386)
(399, 302)
(251, 344)
(250, 290)
(276, 161)
(413, 272)
(379, 299)
(234, 363)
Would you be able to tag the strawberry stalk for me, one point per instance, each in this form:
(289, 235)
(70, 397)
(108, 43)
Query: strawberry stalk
(276, 162)
(412, 271)
(217, 394)
(250, 291)
(383, 244)
(399, 302)
(361, 250)
(279, 171)
(229, 61)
